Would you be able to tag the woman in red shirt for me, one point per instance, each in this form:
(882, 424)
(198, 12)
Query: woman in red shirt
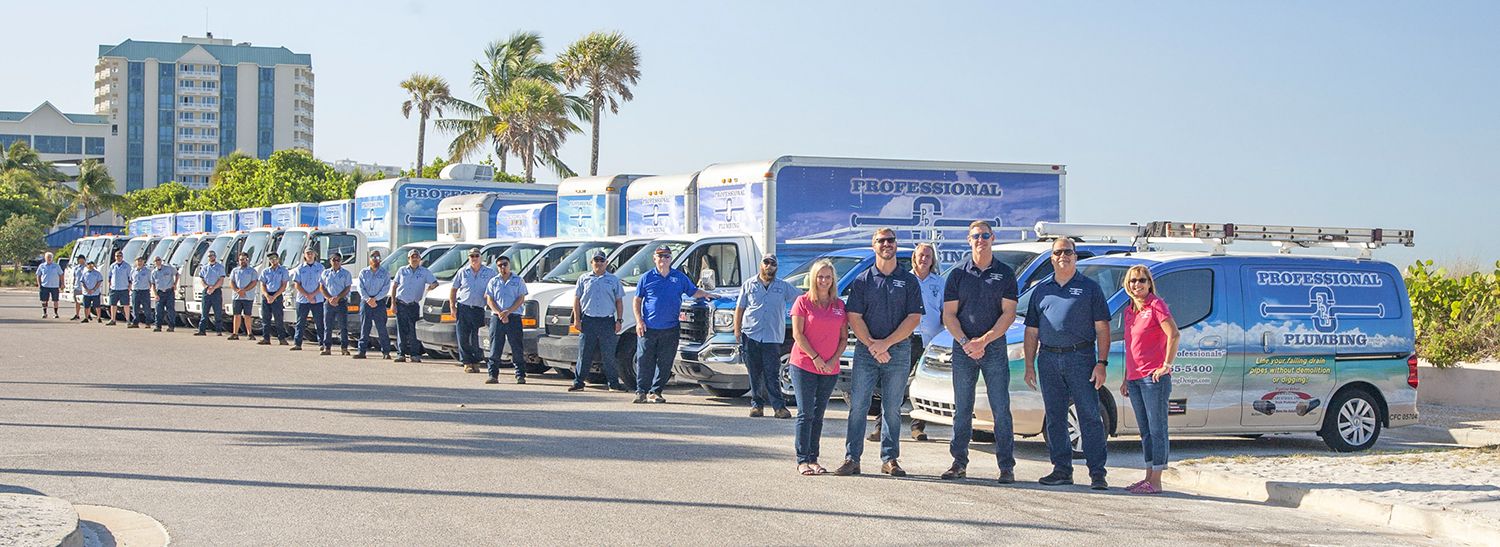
(819, 331)
(1150, 342)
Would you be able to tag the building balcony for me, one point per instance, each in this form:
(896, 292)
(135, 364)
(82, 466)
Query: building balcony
(194, 170)
(197, 122)
(303, 113)
(198, 91)
(197, 107)
(303, 77)
(198, 137)
(197, 75)
(197, 155)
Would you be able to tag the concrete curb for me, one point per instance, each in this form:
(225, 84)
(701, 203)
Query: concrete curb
(1452, 525)
(126, 527)
(1467, 437)
(38, 520)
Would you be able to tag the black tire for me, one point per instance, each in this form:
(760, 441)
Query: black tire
(785, 380)
(566, 373)
(541, 368)
(726, 393)
(1106, 413)
(982, 436)
(625, 361)
(1352, 423)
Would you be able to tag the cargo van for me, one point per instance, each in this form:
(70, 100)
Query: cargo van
(1271, 343)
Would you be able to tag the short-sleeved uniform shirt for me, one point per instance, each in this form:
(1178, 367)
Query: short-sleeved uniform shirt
(822, 327)
(78, 276)
(1145, 341)
(164, 278)
(1064, 315)
(210, 274)
(119, 276)
(411, 283)
(140, 278)
(766, 306)
(49, 275)
(506, 292)
(932, 305)
(597, 294)
(336, 281)
(309, 277)
(273, 278)
(372, 283)
(661, 297)
(883, 301)
(471, 284)
(91, 282)
(241, 278)
(979, 293)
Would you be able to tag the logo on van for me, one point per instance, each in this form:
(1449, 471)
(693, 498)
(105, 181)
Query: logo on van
(1323, 309)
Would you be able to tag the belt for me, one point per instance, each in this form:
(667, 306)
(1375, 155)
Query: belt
(1067, 349)
(598, 317)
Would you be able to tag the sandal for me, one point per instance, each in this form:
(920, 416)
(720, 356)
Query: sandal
(819, 468)
(1136, 485)
(807, 469)
(1147, 489)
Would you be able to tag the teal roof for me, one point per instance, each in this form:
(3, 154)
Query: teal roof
(13, 116)
(228, 55)
(87, 118)
(9, 116)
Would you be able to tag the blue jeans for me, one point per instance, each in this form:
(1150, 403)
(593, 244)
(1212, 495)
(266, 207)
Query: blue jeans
(373, 317)
(407, 314)
(316, 309)
(502, 334)
(1064, 378)
(653, 359)
(213, 303)
(140, 301)
(273, 317)
(995, 367)
(891, 378)
(813, 391)
(763, 362)
(166, 308)
(597, 333)
(469, 319)
(335, 315)
(1149, 399)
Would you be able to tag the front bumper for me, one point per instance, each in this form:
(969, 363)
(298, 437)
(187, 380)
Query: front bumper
(713, 364)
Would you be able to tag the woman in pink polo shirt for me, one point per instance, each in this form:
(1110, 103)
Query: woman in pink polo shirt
(819, 331)
(1150, 342)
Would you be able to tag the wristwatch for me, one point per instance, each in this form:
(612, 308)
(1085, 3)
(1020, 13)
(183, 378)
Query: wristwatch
(1102, 362)
(963, 341)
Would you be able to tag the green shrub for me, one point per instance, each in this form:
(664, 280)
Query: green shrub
(1457, 318)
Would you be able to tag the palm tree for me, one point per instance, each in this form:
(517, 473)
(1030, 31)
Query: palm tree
(428, 94)
(95, 192)
(607, 64)
(515, 58)
(23, 157)
(534, 122)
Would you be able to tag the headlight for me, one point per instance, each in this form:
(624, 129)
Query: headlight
(724, 320)
(1015, 352)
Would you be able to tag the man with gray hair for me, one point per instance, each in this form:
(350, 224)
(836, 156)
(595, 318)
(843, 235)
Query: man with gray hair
(411, 282)
(49, 280)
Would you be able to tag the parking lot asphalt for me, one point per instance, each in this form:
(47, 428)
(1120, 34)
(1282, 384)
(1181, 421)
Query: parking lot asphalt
(234, 443)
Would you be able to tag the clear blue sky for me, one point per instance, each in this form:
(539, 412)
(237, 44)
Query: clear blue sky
(1334, 113)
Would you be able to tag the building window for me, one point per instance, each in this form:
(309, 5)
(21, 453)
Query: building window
(75, 145)
(265, 113)
(93, 146)
(227, 126)
(7, 140)
(47, 144)
(166, 105)
(135, 126)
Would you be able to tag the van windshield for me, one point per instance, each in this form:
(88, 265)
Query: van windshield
(1107, 276)
(447, 265)
(289, 246)
(163, 250)
(183, 251)
(645, 259)
(577, 263)
(132, 249)
(520, 254)
(841, 267)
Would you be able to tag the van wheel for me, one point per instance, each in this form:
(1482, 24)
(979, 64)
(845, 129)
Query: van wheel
(541, 368)
(788, 392)
(566, 373)
(625, 361)
(982, 436)
(1075, 436)
(726, 393)
(1352, 423)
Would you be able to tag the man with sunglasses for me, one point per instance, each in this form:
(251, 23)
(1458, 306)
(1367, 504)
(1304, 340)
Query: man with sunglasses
(979, 305)
(504, 295)
(760, 327)
(884, 308)
(1067, 321)
(598, 305)
(658, 299)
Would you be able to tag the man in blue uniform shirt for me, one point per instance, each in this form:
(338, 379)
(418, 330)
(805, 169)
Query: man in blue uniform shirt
(212, 277)
(412, 282)
(119, 289)
(77, 268)
(49, 281)
(503, 296)
(336, 283)
(273, 285)
(374, 291)
(598, 306)
(466, 299)
(140, 294)
(91, 284)
(164, 288)
(242, 283)
(760, 327)
(307, 280)
(658, 300)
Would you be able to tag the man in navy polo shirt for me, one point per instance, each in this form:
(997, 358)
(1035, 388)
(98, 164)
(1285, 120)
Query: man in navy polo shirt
(1067, 320)
(979, 305)
(658, 299)
(885, 306)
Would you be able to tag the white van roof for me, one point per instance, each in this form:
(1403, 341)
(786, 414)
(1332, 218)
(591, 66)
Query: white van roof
(672, 185)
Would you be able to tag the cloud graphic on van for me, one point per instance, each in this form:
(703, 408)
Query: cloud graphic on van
(1303, 336)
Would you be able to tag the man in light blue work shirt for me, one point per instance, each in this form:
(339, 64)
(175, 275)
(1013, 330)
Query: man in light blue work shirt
(49, 280)
(212, 277)
(242, 283)
(336, 283)
(307, 280)
(760, 328)
(598, 305)
(91, 284)
(658, 301)
(119, 288)
(411, 283)
(273, 285)
(78, 267)
(504, 295)
(466, 299)
(140, 294)
(164, 288)
(374, 291)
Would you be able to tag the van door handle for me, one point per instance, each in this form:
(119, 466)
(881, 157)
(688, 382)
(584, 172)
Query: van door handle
(1266, 341)
(1210, 342)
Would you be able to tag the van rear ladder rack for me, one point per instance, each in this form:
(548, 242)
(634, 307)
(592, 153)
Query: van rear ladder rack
(1220, 234)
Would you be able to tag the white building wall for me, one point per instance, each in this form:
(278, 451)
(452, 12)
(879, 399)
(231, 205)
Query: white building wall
(244, 140)
(152, 79)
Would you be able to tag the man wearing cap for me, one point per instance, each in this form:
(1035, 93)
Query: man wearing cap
(598, 305)
(242, 282)
(467, 300)
(77, 268)
(760, 328)
(140, 294)
(49, 282)
(91, 283)
(503, 296)
(119, 289)
(273, 283)
(412, 281)
(307, 280)
(164, 288)
(884, 308)
(374, 291)
(336, 282)
(658, 299)
(212, 277)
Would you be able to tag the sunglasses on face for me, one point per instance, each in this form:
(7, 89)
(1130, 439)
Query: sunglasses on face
(1063, 252)
(1138, 280)
(885, 240)
(984, 236)
(768, 262)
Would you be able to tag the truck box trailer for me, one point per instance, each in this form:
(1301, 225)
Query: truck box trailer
(338, 213)
(222, 221)
(531, 221)
(662, 205)
(469, 217)
(251, 218)
(394, 212)
(189, 222)
(294, 215)
(592, 206)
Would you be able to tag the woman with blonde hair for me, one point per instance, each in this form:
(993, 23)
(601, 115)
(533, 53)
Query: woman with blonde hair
(1150, 343)
(820, 330)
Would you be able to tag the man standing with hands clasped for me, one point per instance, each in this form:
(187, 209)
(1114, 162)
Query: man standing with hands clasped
(374, 287)
(212, 276)
(760, 328)
(336, 283)
(466, 299)
(411, 282)
(885, 306)
(119, 289)
(307, 279)
(242, 281)
(49, 279)
(503, 297)
(1068, 322)
(979, 305)
(598, 305)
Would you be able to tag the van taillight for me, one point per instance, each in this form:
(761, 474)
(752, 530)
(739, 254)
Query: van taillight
(1411, 371)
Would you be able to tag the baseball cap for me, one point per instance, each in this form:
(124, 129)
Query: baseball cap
(663, 251)
(599, 255)
(768, 257)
